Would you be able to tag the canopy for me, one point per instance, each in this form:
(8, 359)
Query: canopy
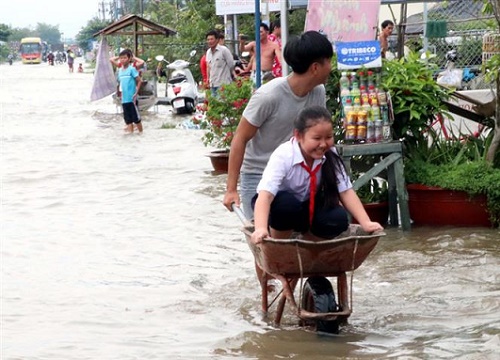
(135, 25)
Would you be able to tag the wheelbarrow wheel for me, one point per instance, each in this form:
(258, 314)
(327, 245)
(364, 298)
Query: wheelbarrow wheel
(318, 297)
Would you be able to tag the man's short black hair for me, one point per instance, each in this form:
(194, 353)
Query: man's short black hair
(310, 47)
(212, 32)
(264, 25)
(386, 23)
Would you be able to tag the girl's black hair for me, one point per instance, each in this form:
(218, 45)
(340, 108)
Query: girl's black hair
(328, 189)
(328, 194)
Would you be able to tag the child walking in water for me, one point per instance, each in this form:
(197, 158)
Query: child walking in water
(305, 187)
(130, 82)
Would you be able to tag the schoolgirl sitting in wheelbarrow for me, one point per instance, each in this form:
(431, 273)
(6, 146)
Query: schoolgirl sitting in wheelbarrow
(305, 188)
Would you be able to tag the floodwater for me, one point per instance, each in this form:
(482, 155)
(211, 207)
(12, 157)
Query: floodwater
(117, 246)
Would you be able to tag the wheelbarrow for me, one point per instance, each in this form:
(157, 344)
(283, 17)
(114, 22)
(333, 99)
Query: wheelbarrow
(290, 261)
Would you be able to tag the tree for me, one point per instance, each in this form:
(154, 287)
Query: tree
(5, 32)
(48, 33)
(85, 37)
(19, 33)
(493, 65)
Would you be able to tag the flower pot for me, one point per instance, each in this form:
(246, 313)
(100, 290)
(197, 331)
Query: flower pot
(435, 206)
(219, 159)
(378, 212)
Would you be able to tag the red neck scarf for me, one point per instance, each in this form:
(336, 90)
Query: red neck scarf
(312, 188)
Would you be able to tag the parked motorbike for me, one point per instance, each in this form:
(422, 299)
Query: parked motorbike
(241, 65)
(450, 76)
(182, 90)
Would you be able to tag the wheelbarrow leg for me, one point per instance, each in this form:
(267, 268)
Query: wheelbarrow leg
(343, 294)
(281, 304)
(263, 278)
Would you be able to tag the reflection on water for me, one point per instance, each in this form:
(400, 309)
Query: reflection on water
(117, 247)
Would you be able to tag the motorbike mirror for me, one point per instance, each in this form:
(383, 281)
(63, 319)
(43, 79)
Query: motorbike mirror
(159, 57)
(192, 53)
(245, 54)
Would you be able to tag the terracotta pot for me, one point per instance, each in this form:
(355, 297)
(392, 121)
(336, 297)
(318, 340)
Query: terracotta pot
(441, 207)
(378, 212)
(219, 159)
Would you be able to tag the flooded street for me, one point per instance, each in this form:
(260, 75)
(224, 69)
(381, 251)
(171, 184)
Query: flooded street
(117, 246)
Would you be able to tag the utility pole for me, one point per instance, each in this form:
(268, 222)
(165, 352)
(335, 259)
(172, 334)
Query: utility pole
(103, 10)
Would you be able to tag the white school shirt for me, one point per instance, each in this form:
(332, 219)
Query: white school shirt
(284, 172)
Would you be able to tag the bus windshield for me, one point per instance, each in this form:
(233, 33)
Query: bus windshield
(31, 48)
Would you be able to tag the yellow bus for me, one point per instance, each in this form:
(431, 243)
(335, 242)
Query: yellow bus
(31, 50)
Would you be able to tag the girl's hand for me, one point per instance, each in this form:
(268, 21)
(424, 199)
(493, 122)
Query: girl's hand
(371, 226)
(258, 235)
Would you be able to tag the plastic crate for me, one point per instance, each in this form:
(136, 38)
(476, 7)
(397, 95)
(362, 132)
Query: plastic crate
(491, 43)
(488, 55)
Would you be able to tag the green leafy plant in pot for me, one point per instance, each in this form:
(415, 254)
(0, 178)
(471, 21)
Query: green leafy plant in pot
(455, 165)
(415, 96)
(221, 114)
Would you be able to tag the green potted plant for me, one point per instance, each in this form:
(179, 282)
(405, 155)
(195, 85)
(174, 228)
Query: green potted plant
(449, 182)
(220, 116)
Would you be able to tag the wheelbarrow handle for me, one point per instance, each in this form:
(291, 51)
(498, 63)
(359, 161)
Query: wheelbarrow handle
(240, 214)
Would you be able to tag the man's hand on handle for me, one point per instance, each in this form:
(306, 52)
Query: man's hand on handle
(231, 197)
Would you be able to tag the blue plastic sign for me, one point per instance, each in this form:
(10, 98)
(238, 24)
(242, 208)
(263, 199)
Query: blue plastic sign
(353, 55)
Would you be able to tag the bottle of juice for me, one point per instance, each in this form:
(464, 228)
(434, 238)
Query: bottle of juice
(371, 80)
(355, 93)
(384, 114)
(344, 81)
(372, 93)
(370, 132)
(375, 109)
(364, 95)
(347, 107)
(382, 98)
(368, 109)
(345, 95)
(356, 104)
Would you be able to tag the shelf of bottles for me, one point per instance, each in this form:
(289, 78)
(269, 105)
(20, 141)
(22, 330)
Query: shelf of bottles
(366, 109)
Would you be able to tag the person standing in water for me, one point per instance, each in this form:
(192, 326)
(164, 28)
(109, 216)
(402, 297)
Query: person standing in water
(71, 60)
(129, 81)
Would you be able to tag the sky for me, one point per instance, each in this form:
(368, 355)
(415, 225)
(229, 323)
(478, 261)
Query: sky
(71, 16)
